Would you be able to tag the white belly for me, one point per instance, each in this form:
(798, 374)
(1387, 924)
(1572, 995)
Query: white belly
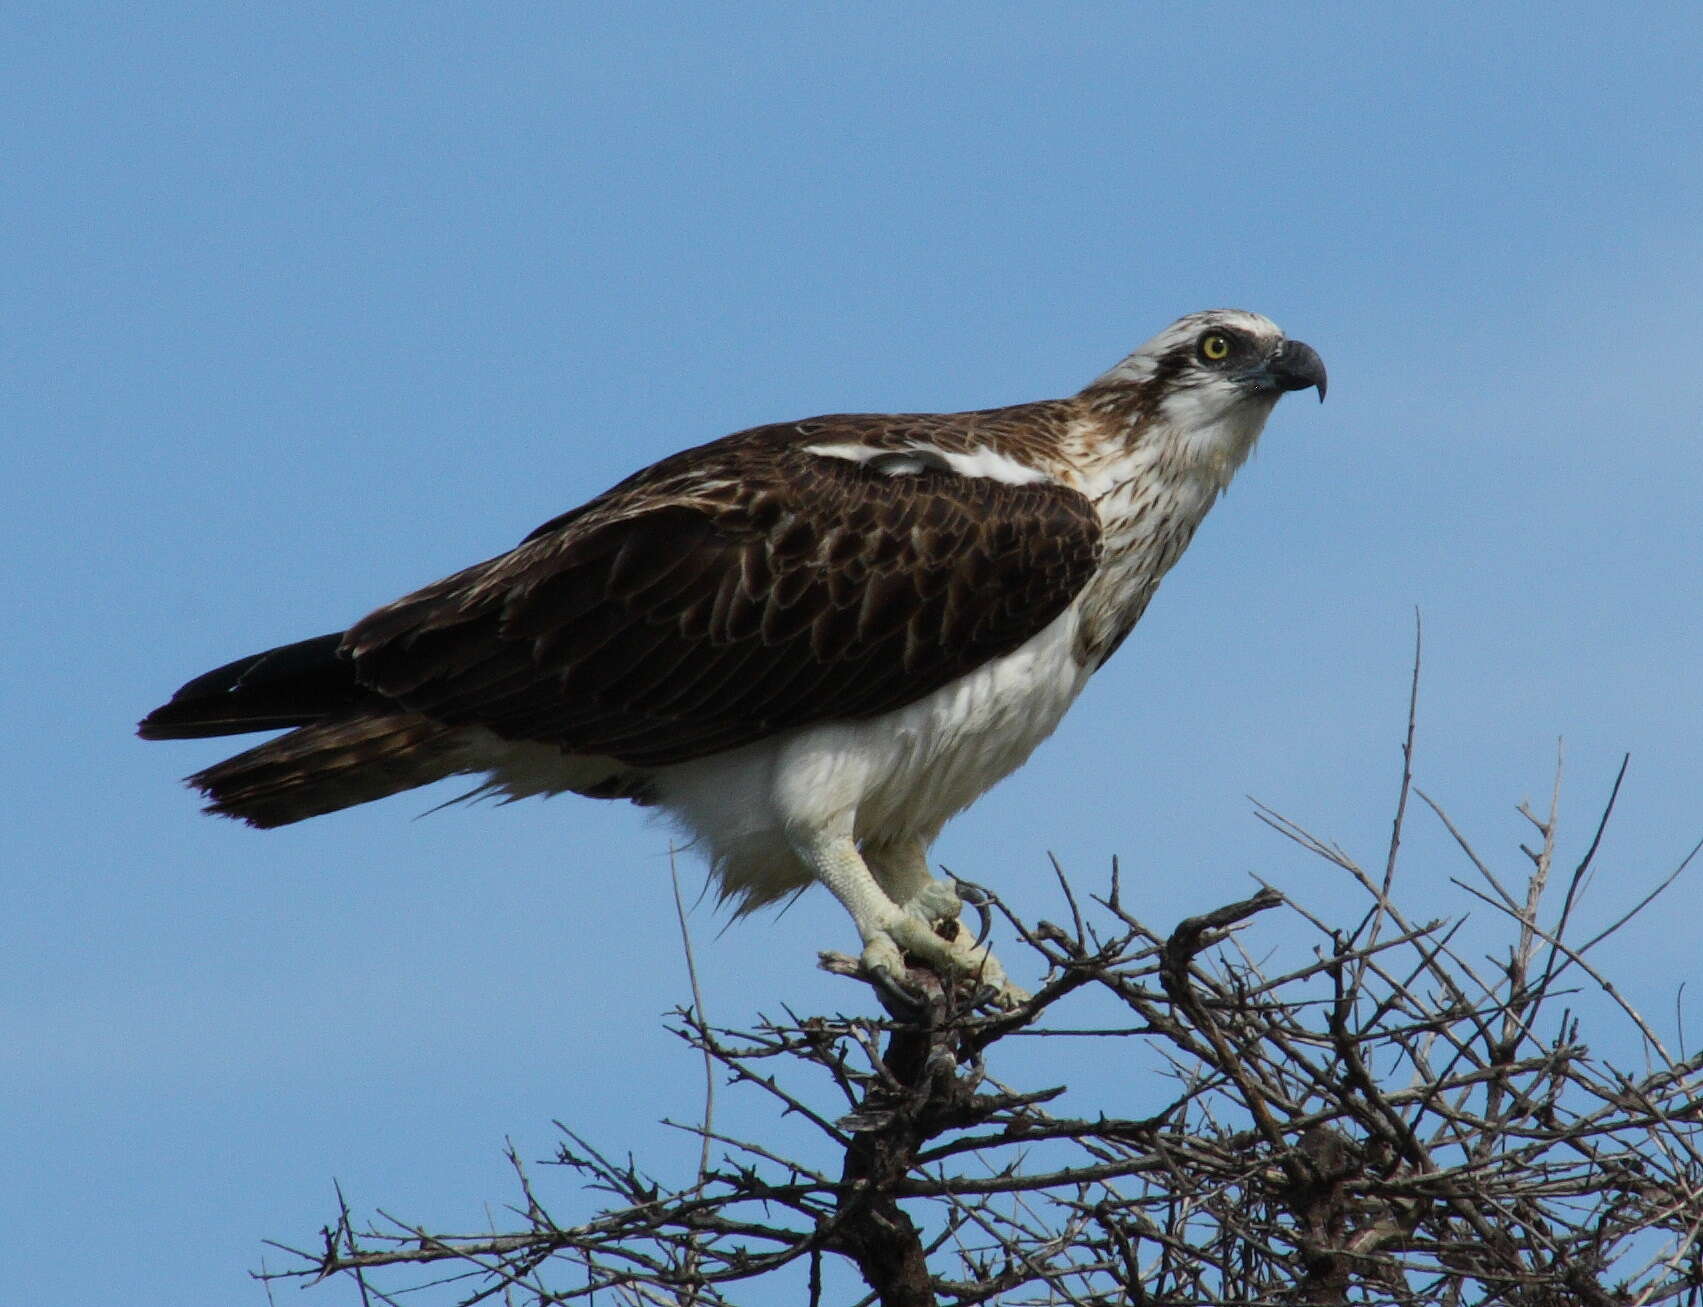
(899, 776)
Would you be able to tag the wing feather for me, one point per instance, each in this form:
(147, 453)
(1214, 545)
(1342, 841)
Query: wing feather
(741, 589)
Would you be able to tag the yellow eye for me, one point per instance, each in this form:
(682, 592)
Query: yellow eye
(1215, 347)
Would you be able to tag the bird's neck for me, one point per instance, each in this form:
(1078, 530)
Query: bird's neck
(1152, 476)
(1187, 438)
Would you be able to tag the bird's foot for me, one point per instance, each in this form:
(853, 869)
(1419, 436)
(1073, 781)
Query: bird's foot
(937, 901)
(957, 958)
(940, 903)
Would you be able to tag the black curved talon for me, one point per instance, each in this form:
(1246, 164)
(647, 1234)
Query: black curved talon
(969, 892)
(978, 898)
(984, 914)
(902, 1004)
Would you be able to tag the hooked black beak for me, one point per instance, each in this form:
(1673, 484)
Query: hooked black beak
(1296, 366)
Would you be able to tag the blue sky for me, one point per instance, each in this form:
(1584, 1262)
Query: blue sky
(309, 305)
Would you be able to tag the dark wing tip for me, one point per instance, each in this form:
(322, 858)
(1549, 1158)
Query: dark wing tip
(288, 686)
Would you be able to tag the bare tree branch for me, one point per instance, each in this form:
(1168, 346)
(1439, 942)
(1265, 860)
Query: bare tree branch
(1310, 1115)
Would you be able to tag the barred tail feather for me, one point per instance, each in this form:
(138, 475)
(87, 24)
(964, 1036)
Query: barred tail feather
(331, 765)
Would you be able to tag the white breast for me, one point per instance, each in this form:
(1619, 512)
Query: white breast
(897, 776)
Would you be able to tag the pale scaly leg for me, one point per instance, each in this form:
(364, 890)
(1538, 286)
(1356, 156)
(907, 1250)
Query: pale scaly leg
(889, 931)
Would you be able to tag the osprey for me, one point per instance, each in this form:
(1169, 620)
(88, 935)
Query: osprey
(810, 643)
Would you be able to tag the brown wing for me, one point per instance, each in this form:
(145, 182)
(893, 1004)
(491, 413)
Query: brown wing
(732, 592)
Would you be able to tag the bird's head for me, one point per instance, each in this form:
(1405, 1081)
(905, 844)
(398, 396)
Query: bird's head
(1207, 383)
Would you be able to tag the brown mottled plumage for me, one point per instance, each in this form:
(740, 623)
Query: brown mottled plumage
(811, 642)
(735, 591)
